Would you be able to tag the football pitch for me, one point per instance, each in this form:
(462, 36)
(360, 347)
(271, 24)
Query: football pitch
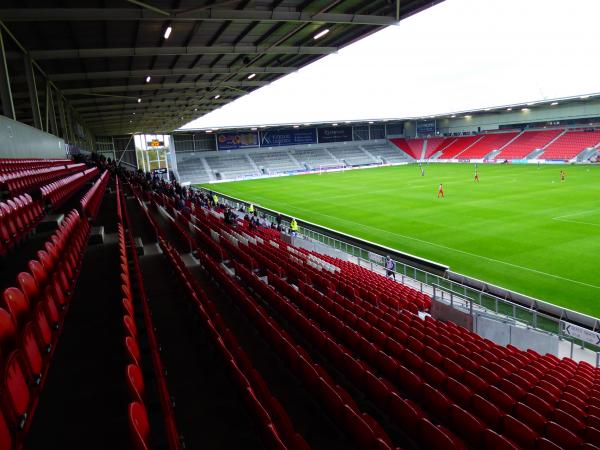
(520, 227)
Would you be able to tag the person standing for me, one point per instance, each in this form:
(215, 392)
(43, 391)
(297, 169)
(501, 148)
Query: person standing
(294, 227)
(390, 267)
(441, 191)
(476, 175)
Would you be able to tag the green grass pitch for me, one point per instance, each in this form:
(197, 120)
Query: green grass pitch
(520, 228)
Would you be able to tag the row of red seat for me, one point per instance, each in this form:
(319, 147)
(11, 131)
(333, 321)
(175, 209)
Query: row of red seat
(18, 182)
(90, 202)
(18, 217)
(31, 320)
(276, 428)
(137, 413)
(57, 192)
(14, 164)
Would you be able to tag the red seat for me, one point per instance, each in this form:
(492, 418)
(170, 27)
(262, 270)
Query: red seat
(139, 426)
(29, 287)
(435, 401)
(475, 382)
(43, 328)
(8, 332)
(409, 381)
(135, 383)
(545, 444)
(434, 437)
(563, 437)
(494, 441)
(16, 393)
(133, 351)
(433, 375)
(567, 420)
(32, 357)
(500, 398)
(519, 432)
(458, 392)
(486, 411)
(467, 425)
(6, 438)
(529, 416)
(39, 272)
(404, 413)
(130, 326)
(17, 305)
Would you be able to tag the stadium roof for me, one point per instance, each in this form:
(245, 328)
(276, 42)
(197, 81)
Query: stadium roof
(121, 71)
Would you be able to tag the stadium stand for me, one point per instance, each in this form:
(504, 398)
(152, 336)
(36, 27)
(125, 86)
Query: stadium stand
(412, 147)
(487, 144)
(191, 167)
(570, 144)
(436, 144)
(527, 142)
(459, 145)
(352, 155)
(386, 152)
(275, 161)
(231, 166)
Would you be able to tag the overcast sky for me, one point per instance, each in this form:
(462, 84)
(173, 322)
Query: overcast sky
(458, 55)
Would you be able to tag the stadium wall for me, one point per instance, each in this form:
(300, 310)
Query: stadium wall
(493, 121)
(22, 141)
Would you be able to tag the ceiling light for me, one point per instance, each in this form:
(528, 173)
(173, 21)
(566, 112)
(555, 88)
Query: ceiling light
(525, 109)
(530, 103)
(306, 124)
(209, 131)
(253, 129)
(320, 34)
(583, 97)
(467, 116)
(217, 96)
(334, 124)
(252, 75)
(371, 122)
(195, 109)
(509, 109)
(553, 103)
(148, 78)
(168, 32)
(139, 100)
(453, 116)
(296, 126)
(134, 114)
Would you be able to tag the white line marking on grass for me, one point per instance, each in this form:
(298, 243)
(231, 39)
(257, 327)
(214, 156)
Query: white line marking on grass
(580, 213)
(360, 225)
(597, 225)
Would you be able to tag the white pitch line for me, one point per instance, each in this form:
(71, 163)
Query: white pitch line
(580, 213)
(441, 246)
(597, 225)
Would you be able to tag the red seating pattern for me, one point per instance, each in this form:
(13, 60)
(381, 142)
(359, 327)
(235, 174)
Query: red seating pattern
(461, 143)
(19, 182)
(527, 143)
(90, 202)
(31, 319)
(436, 144)
(570, 144)
(16, 164)
(58, 192)
(18, 217)
(138, 421)
(487, 144)
(412, 147)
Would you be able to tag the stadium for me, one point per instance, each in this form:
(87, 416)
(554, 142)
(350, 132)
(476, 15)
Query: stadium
(181, 274)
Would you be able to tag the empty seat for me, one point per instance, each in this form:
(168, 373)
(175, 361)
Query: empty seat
(139, 426)
(15, 391)
(16, 304)
(519, 432)
(135, 383)
(494, 441)
(467, 425)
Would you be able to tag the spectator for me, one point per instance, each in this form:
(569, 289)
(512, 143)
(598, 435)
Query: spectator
(390, 267)
(294, 227)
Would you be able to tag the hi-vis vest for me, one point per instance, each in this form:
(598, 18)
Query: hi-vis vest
(294, 225)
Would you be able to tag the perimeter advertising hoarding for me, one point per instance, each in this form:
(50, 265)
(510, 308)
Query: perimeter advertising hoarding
(291, 136)
(335, 134)
(233, 141)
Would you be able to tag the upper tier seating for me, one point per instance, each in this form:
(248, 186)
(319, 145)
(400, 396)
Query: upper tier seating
(570, 144)
(17, 164)
(389, 153)
(457, 146)
(18, 217)
(191, 168)
(412, 147)
(231, 166)
(487, 144)
(58, 192)
(275, 162)
(314, 157)
(352, 155)
(527, 143)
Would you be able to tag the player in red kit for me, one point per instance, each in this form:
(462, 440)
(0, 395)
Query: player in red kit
(441, 191)
(476, 176)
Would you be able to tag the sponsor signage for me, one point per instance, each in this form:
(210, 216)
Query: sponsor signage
(581, 333)
(335, 134)
(159, 171)
(293, 136)
(425, 127)
(155, 143)
(233, 141)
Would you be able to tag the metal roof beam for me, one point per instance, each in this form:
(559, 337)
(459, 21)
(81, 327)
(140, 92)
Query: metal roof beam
(169, 72)
(156, 87)
(207, 15)
(174, 51)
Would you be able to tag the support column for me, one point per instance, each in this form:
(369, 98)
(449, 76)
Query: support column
(8, 107)
(61, 116)
(33, 93)
(50, 113)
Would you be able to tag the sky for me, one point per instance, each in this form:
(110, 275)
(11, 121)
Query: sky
(458, 55)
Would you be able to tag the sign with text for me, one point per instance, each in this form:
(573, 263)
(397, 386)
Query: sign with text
(581, 333)
(335, 134)
(293, 136)
(232, 141)
(426, 127)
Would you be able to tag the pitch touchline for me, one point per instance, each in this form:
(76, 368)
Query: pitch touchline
(578, 221)
(445, 247)
(576, 214)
